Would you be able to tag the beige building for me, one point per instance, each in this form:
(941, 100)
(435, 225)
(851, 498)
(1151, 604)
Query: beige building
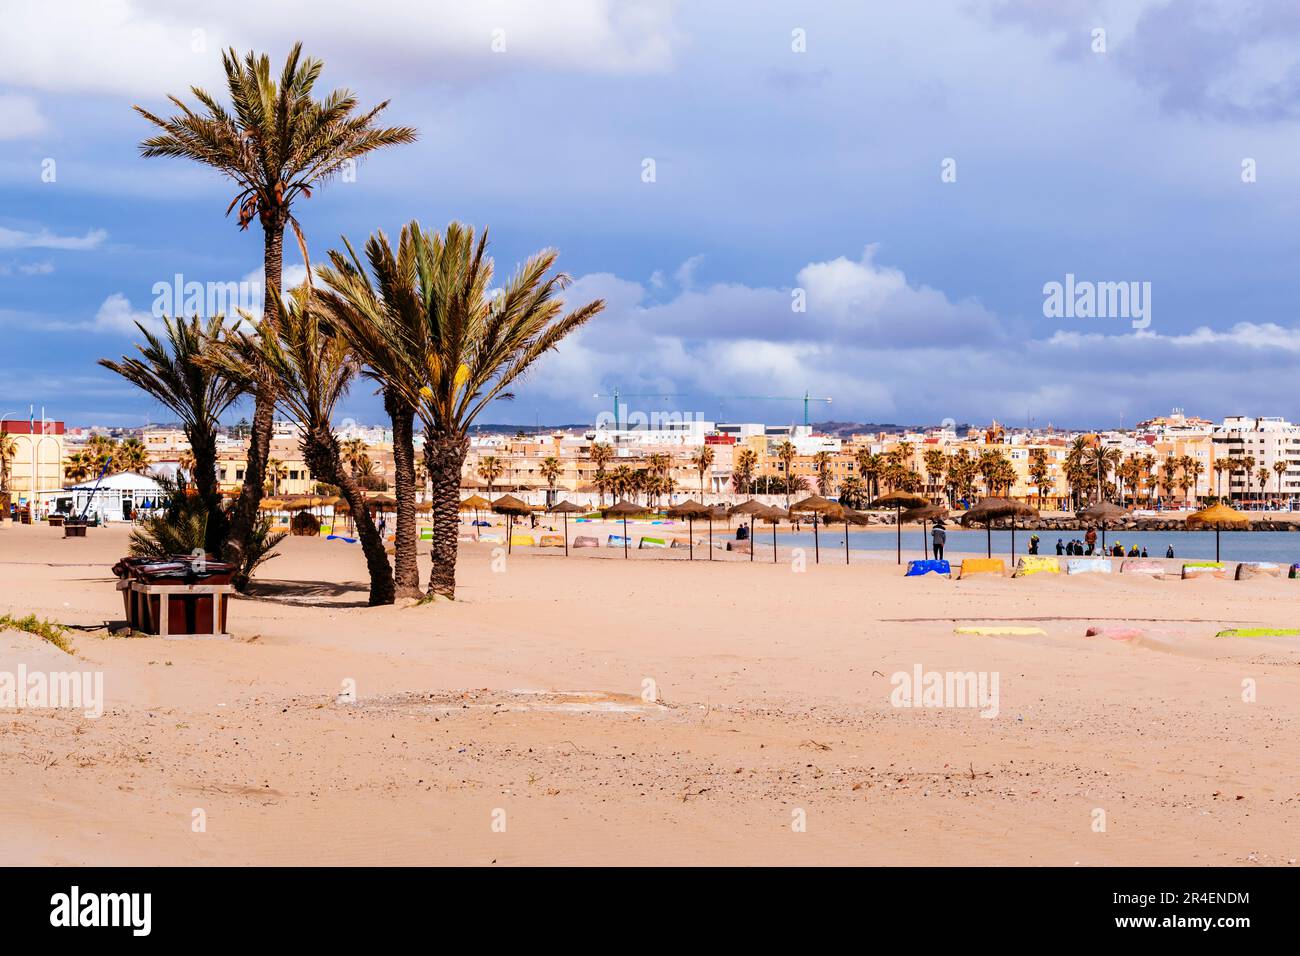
(37, 461)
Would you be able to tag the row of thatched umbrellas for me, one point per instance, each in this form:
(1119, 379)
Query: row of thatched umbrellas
(909, 508)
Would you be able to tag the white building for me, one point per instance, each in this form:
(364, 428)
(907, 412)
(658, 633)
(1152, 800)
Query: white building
(113, 497)
(1267, 440)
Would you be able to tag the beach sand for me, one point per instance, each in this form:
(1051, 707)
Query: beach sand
(522, 703)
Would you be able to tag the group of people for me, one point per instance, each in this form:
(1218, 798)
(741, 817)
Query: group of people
(1088, 546)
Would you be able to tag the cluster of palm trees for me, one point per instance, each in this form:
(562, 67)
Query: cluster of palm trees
(652, 480)
(426, 321)
(105, 456)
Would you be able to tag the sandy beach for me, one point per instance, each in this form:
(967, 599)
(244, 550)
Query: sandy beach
(511, 726)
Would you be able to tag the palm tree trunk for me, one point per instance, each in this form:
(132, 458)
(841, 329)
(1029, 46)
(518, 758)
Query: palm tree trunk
(321, 449)
(406, 573)
(259, 442)
(444, 456)
(203, 445)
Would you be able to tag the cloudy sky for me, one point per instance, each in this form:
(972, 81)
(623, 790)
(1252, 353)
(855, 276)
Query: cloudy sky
(915, 173)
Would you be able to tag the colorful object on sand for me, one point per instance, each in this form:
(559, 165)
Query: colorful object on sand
(1203, 569)
(1295, 571)
(552, 541)
(521, 540)
(1116, 633)
(681, 542)
(1030, 564)
(339, 537)
(918, 568)
(1088, 566)
(617, 541)
(585, 541)
(492, 538)
(1141, 567)
(982, 566)
(653, 543)
(999, 630)
(1260, 632)
(1254, 569)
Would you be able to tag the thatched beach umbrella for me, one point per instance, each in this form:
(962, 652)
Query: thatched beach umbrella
(475, 503)
(923, 514)
(622, 509)
(720, 513)
(851, 517)
(898, 500)
(510, 506)
(994, 509)
(690, 510)
(817, 505)
(1218, 517)
(566, 508)
(751, 508)
(1101, 512)
(774, 515)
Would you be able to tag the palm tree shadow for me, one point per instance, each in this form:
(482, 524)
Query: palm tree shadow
(314, 593)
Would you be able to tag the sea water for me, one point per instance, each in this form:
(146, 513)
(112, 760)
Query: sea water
(1281, 547)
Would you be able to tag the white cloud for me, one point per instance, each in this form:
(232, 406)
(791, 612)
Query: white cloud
(117, 317)
(147, 47)
(871, 343)
(44, 239)
(19, 117)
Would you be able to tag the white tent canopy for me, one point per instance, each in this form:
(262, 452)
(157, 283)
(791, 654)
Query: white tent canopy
(106, 497)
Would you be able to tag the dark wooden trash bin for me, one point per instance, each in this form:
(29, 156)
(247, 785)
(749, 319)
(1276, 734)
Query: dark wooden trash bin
(74, 529)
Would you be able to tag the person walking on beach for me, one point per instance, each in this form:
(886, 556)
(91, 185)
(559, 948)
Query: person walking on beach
(1091, 539)
(938, 537)
(1033, 544)
(1060, 546)
(383, 525)
(1169, 551)
(1144, 551)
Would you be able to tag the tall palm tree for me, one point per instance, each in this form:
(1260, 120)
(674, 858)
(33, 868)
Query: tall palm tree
(869, 466)
(185, 462)
(312, 371)
(822, 464)
(132, 455)
(703, 461)
(742, 472)
(1279, 468)
(1038, 471)
(490, 469)
(276, 143)
(77, 467)
(175, 370)
(786, 453)
(601, 454)
(935, 465)
(458, 348)
(353, 451)
(551, 470)
(1247, 465)
(1194, 469)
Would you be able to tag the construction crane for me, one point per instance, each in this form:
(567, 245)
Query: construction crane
(619, 395)
(806, 398)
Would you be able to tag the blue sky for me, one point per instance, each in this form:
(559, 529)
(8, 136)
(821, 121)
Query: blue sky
(775, 170)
